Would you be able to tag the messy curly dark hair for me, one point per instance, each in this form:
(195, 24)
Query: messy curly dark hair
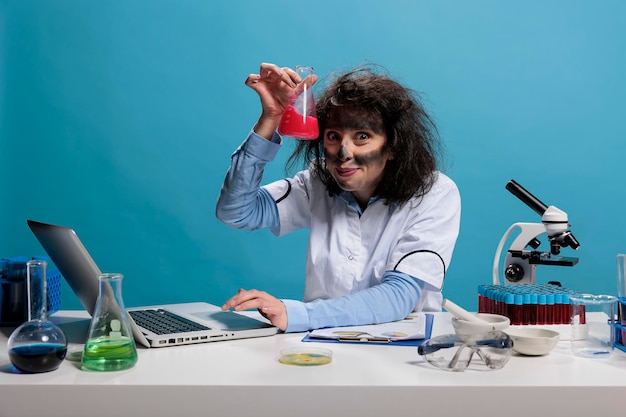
(366, 98)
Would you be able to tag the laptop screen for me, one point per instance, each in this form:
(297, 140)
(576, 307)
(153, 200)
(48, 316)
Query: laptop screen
(71, 259)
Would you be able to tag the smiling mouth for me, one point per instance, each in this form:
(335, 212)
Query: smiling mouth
(346, 172)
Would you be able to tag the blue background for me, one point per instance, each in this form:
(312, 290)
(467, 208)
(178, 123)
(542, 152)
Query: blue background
(118, 118)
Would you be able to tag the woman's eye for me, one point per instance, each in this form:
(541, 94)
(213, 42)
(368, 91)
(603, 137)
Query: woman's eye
(332, 136)
(362, 136)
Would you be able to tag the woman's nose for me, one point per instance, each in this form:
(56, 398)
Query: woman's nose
(345, 152)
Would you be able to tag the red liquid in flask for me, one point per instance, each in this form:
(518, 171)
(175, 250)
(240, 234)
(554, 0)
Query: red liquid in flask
(297, 125)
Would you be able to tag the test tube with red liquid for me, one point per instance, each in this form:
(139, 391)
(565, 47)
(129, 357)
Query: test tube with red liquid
(533, 304)
(299, 120)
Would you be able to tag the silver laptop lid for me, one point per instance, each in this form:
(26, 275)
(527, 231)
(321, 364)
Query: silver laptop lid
(80, 272)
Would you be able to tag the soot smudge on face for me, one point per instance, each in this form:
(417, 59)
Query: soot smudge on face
(355, 118)
(364, 159)
(342, 153)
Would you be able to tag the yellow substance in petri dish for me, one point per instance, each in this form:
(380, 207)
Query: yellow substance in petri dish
(305, 359)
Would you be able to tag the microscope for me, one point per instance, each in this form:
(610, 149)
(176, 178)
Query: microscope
(523, 257)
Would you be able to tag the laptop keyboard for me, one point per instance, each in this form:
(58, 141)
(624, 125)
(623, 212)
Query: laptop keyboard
(162, 321)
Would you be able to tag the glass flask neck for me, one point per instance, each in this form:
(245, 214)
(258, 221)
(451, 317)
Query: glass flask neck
(113, 280)
(304, 70)
(111, 288)
(36, 287)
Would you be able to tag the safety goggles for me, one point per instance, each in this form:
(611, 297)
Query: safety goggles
(490, 350)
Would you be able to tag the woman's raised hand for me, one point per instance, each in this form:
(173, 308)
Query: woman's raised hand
(276, 87)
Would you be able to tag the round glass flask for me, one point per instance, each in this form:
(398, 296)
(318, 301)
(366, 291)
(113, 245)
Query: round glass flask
(37, 345)
(299, 120)
(110, 344)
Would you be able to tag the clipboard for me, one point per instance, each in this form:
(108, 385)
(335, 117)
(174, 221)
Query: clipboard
(380, 341)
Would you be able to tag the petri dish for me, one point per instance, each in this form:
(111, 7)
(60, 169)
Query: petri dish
(305, 356)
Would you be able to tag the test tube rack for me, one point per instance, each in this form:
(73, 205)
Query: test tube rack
(533, 305)
(620, 336)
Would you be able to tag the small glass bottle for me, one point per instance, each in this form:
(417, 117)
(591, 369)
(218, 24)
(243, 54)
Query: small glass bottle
(37, 345)
(299, 120)
(110, 344)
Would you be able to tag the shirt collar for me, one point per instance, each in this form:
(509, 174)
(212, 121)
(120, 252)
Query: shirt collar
(348, 197)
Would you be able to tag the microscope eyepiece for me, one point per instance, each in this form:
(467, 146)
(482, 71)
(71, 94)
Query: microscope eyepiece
(526, 197)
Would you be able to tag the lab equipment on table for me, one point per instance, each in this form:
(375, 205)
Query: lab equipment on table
(489, 322)
(487, 351)
(309, 356)
(533, 341)
(110, 344)
(527, 304)
(14, 308)
(37, 345)
(620, 325)
(544, 306)
(520, 262)
(459, 312)
(299, 120)
(593, 329)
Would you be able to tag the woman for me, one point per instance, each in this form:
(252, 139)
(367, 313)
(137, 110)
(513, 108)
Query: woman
(383, 221)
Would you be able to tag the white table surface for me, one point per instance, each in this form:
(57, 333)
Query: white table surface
(244, 378)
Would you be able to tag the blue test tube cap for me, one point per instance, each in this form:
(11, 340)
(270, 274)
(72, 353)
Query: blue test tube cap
(509, 299)
(541, 299)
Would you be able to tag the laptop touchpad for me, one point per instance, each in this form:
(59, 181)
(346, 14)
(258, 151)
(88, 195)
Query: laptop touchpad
(228, 320)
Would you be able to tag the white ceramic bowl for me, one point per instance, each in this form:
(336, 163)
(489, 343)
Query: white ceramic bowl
(468, 328)
(532, 341)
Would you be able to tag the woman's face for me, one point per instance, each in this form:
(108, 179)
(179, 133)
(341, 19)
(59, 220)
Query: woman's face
(356, 159)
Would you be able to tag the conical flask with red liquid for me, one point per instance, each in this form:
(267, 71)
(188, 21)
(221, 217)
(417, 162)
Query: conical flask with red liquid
(299, 120)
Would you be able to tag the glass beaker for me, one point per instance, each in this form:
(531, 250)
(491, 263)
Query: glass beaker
(592, 325)
(299, 120)
(621, 297)
(37, 345)
(110, 344)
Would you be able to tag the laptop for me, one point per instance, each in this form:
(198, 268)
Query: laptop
(185, 323)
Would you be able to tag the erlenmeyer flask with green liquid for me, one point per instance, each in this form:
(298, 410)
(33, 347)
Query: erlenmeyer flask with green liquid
(110, 345)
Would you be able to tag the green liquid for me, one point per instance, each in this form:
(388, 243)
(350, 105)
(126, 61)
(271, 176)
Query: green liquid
(106, 354)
